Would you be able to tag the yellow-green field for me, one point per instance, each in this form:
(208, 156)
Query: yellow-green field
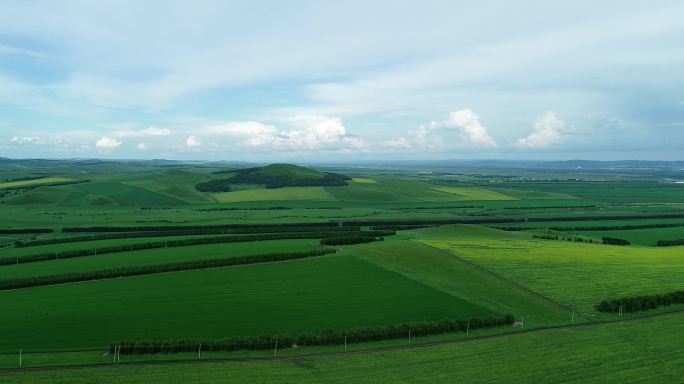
(275, 194)
(30, 183)
(574, 274)
(363, 180)
(475, 193)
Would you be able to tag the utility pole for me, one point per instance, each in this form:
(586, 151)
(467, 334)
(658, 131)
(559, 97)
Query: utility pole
(199, 352)
(468, 329)
(409, 336)
(20, 362)
(275, 353)
(573, 315)
(345, 343)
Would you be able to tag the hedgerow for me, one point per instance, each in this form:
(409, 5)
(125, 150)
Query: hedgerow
(35, 281)
(614, 241)
(328, 337)
(20, 231)
(182, 243)
(641, 303)
(669, 243)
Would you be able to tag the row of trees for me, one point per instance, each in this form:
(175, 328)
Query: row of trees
(348, 240)
(329, 337)
(35, 281)
(617, 227)
(614, 241)
(641, 303)
(192, 227)
(669, 243)
(22, 231)
(182, 243)
(188, 232)
(565, 238)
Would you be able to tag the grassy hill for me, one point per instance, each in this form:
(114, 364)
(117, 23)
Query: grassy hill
(275, 176)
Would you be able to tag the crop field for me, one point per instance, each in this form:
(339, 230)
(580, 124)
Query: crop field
(608, 353)
(289, 297)
(575, 275)
(62, 310)
(473, 193)
(280, 194)
(35, 182)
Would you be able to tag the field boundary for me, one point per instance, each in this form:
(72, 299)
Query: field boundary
(323, 355)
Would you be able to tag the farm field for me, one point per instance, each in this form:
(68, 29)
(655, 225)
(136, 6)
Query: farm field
(608, 353)
(34, 182)
(574, 274)
(418, 276)
(289, 297)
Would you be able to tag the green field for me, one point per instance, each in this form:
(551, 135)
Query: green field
(421, 274)
(287, 298)
(612, 353)
(575, 275)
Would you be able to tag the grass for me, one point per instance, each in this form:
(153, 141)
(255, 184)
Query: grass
(35, 182)
(573, 274)
(275, 194)
(475, 193)
(629, 352)
(442, 270)
(363, 180)
(289, 297)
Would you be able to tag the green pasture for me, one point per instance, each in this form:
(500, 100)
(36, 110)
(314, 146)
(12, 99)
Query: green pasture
(629, 352)
(291, 297)
(474, 193)
(574, 274)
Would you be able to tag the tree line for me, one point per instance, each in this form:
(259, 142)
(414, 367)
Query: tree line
(181, 243)
(22, 231)
(348, 240)
(188, 232)
(190, 227)
(614, 241)
(328, 337)
(669, 243)
(617, 227)
(34, 281)
(641, 303)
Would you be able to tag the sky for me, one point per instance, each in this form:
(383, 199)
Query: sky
(342, 80)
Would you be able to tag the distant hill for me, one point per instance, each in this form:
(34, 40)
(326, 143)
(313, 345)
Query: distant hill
(275, 176)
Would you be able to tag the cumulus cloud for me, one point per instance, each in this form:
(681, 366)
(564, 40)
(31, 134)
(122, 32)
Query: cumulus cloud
(470, 128)
(107, 143)
(428, 136)
(193, 142)
(141, 146)
(548, 130)
(151, 131)
(307, 132)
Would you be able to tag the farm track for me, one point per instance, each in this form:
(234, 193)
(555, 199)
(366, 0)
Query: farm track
(349, 353)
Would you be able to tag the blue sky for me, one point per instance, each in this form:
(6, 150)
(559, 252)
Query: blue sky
(342, 80)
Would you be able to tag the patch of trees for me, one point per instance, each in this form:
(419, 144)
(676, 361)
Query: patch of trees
(329, 337)
(614, 241)
(73, 277)
(248, 176)
(181, 243)
(20, 231)
(553, 207)
(399, 227)
(575, 239)
(217, 185)
(669, 243)
(641, 303)
(349, 240)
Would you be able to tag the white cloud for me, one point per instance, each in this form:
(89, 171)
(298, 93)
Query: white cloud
(193, 142)
(548, 130)
(107, 143)
(141, 146)
(151, 131)
(308, 132)
(471, 130)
